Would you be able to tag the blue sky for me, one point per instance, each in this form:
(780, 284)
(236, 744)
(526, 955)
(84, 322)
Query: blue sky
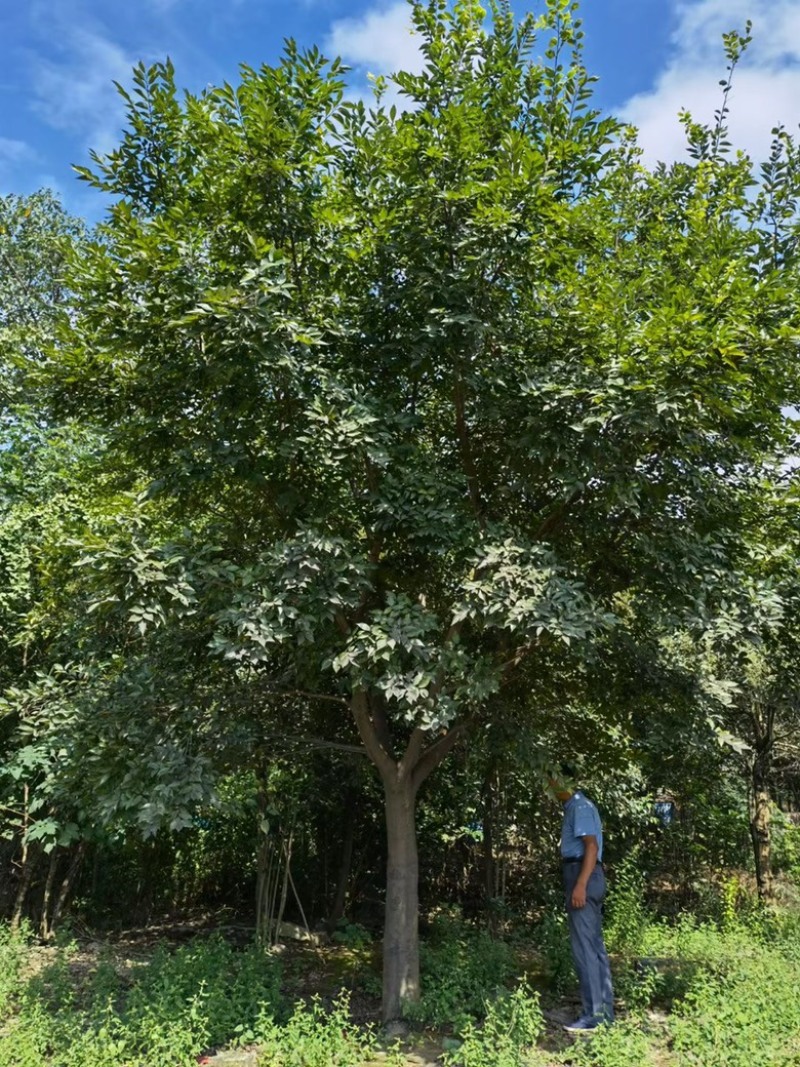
(58, 59)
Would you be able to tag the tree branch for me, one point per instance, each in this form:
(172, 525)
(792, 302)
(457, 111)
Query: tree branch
(359, 705)
(411, 755)
(380, 721)
(317, 742)
(453, 631)
(11, 811)
(520, 654)
(435, 753)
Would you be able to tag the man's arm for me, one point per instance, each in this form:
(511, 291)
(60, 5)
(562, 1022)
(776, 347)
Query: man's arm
(590, 849)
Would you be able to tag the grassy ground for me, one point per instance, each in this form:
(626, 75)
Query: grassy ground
(691, 993)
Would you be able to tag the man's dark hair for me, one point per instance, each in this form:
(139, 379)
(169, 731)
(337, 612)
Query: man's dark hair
(568, 770)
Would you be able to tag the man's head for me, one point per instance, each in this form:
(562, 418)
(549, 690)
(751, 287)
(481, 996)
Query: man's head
(562, 781)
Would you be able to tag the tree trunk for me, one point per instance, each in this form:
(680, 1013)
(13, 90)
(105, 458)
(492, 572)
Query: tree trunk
(25, 878)
(490, 861)
(44, 923)
(401, 781)
(489, 864)
(401, 929)
(346, 864)
(67, 883)
(25, 866)
(761, 833)
(267, 870)
(287, 852)
(266, 879)
(763, 723)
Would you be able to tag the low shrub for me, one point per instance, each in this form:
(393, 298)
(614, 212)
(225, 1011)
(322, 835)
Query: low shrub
(462, 967)
(507, 1036)
(13, 947)
(316, 1037)
(209, 987)
(625, 1044)
(551, 937)
(627, 915)
(742, 1014)
(352, 935)
(179, 1004)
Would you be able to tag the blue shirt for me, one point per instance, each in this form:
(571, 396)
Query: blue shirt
(581, 817)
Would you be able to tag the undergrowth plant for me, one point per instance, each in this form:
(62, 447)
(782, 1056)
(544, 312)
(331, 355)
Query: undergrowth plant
(626, 1044)
(214, 989)
(315, 1036)
(507, 1036)
(741, 1014)
(551, 937)
(205, 994)
(13, 946)
(628, 916)
(462, 967)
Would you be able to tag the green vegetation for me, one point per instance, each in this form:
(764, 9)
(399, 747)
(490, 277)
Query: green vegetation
(315, 1037)
(463, 965)
(507, 1036)
(363, 464)
(164, 1013)
(711, 993)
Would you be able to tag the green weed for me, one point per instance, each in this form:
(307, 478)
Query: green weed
(352, 935)
(315, 1037)
(625, 1044)
(203, 995)
(551, 937)
(13, 947)
(744, 1014)
(208, 988)
(628, 916)
(507, 1036)
(462, 967)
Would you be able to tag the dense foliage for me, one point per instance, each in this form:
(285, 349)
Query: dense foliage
(364, 434)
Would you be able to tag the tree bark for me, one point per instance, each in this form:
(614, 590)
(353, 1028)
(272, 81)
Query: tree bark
(761, 832)
(67, 883)
(266, 875)
(763, 721)
(401, 929)
(287, 852)
(489, 861)
(44, 924)
(25, 878)
(25, 866)
(346, 863)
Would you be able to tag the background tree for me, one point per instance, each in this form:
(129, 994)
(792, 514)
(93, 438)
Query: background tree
(36, 235)
(40, 494)
(750, 652)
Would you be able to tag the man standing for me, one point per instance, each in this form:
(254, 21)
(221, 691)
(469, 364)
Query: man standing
(585, 888)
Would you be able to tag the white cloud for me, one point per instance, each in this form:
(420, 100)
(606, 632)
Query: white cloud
(766, 85)
(12, 152)
(75, 92)
(381, 41)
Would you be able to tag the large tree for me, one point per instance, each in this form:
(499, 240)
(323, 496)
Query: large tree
(451, 389)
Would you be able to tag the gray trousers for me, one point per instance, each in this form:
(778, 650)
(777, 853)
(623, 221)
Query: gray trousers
(588, 947)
